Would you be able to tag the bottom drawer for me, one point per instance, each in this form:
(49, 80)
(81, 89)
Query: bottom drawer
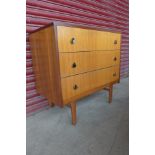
(77, 85)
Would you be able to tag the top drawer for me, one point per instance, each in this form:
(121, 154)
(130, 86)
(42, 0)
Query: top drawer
(77, 39)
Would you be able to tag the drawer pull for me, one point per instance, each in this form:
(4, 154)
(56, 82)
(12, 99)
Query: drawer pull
(75, 87)
(74, 65)
(115, 58)
(73, 41)
(115, 41)
(114, 74)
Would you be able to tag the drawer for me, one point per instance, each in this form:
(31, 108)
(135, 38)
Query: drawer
(78, 39)
(80, 62)
(77, 85)
(102, 40)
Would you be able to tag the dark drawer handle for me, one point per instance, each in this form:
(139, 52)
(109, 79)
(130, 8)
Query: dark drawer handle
(114, 74)
(115, 58)
(75, 87)
(115, 41)
(73, 40)
(74, 65)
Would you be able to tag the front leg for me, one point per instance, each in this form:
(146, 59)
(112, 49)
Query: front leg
(52, 104)
(110, 93)
(73, 112)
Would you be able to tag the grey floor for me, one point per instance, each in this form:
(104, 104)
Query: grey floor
(101, 129)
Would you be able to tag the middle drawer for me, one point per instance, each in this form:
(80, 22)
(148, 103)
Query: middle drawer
(76, 63)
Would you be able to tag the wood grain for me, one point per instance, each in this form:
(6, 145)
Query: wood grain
(72, 62)
(110, 93)
(87, 81)
(89, 92)
(86, 39)
(73, 112)
(80, 62)
(45, 64)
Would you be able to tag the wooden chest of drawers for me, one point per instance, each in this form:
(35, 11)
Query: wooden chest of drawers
(71, 62)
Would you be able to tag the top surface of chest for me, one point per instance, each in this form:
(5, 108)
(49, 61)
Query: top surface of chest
(72, 39)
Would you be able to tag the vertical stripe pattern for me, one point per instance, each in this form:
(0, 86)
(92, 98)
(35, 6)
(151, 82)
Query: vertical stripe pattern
(107, 14)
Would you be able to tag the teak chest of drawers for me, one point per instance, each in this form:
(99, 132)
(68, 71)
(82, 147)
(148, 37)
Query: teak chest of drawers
(71, 62)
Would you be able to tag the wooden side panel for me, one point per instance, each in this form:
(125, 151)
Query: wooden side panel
(74, 87)
(75, 63)
(46, 64)
(77, 39)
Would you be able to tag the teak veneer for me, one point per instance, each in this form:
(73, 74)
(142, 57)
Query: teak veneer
(71, 62)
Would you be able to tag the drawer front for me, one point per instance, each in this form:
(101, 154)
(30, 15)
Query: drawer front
(80, 62)
(102, 40)
(77, 39)
(77, 85)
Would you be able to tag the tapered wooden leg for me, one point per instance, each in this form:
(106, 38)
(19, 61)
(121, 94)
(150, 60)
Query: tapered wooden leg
(110, 93)
(73, 112)
(52, 104)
